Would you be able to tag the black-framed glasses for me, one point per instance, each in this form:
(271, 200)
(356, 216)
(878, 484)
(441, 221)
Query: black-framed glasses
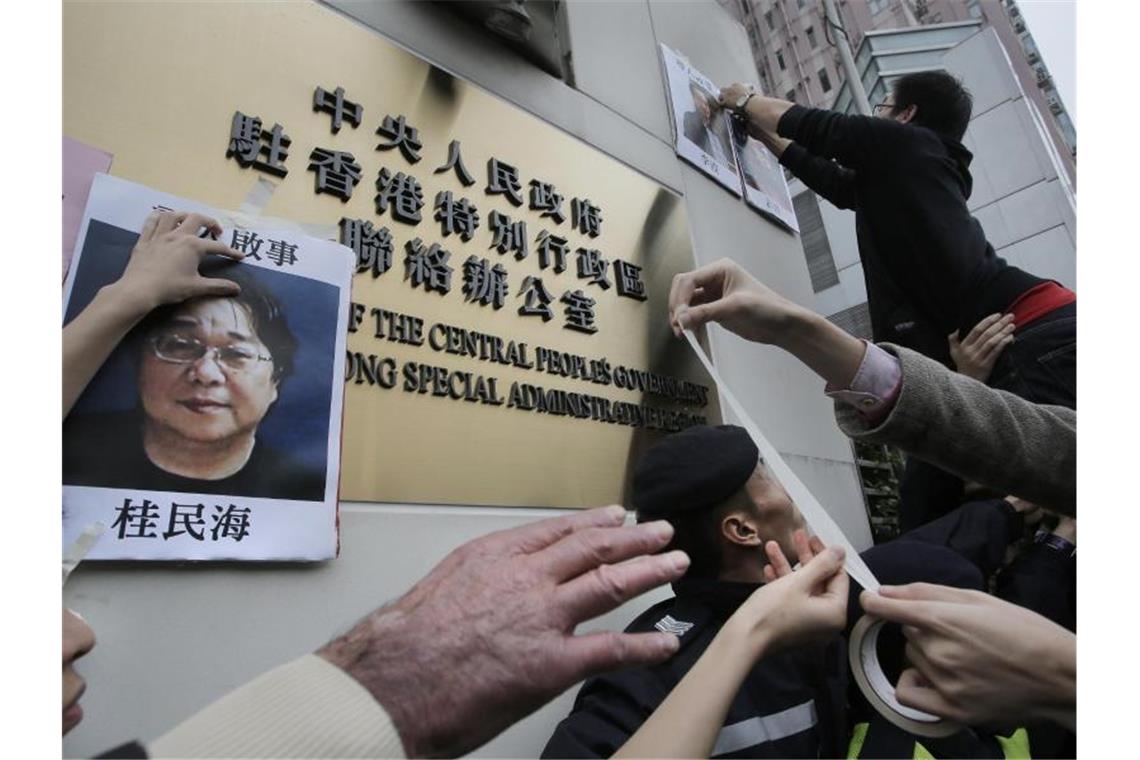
(179, 349)
(878, 106)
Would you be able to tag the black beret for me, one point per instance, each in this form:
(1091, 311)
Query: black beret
(696, 469)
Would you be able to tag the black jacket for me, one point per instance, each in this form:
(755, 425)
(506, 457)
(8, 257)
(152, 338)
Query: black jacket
(790, 705)
(928, 267)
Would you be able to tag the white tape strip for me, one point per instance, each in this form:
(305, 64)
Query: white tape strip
(816, 516)
(249, 214)
(78, 550)
(862, 655)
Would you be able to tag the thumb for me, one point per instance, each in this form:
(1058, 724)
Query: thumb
(213, 286)
(953, 338)
(821, 567)
(693, 317)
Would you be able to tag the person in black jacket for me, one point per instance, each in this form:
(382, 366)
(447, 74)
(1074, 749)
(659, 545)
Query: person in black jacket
(928, 267)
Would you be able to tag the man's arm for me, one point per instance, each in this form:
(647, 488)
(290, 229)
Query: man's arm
(947, 419)
(978, 433)
(832, 181)
(163, 268)
(855, 141)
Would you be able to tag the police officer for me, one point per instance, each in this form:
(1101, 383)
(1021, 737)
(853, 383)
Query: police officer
(710, 483)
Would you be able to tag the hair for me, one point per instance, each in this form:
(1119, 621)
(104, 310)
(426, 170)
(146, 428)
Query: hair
(697, 533)
(266, 316)
(943, 104)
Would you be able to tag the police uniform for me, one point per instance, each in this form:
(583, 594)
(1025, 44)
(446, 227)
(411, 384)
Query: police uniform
(793, 703)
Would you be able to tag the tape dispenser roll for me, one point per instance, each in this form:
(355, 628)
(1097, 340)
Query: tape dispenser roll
(862, 654)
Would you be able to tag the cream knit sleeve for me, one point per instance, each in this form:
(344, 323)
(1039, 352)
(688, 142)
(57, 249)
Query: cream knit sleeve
(304, 708)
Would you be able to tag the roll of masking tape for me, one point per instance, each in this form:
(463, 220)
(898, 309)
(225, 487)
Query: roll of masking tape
(862, 654)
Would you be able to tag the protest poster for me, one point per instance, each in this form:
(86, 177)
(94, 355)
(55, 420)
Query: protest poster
(212, 432)
(765, 186)
(703, 134)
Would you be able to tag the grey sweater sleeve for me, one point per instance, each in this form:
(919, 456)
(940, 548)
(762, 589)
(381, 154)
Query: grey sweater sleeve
(978, 433)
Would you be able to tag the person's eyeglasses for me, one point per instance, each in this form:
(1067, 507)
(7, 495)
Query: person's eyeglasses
(884, 105)
(178, 349)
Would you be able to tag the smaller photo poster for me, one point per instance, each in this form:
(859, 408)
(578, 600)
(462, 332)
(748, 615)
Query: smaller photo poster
(212, 432)
(765, 185)
(703, 133)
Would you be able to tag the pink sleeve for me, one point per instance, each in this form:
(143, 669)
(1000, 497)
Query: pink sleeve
(875, 387)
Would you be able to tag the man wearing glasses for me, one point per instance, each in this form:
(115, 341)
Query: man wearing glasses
(209, 370)
(929, 270)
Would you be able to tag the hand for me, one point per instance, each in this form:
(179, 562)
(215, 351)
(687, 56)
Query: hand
(723, 292)
(487, 636)
(163, 267)
(978, 659)
(1066, 529)
(976, 355)
(794, 608)
(1031, 514)
(773, 142)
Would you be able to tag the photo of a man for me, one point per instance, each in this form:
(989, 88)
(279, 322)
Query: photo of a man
(706, 126)
(701, 123)
(203, 380)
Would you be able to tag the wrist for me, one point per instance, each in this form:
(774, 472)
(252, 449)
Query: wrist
(127, 304)
(372, 653)
(824, 347)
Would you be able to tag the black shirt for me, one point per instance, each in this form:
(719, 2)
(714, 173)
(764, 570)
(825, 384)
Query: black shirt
(928, 267)
(106, 450)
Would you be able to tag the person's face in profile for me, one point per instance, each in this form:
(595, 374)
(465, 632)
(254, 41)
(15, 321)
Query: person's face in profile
(205, 375)
(78, 639)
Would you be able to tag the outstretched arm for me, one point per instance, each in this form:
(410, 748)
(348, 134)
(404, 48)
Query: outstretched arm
(942, 417)
(163, 268)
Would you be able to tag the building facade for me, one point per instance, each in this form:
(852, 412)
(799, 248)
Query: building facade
(173, 637)
(797, 60)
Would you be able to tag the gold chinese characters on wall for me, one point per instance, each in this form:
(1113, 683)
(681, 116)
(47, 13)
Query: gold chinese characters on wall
(509, 342)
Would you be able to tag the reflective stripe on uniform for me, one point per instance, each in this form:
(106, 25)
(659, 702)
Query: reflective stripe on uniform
(1016, 745)
(921, 752)
(765, 728)
(858, 736)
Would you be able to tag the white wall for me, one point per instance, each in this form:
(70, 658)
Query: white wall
(174, 637)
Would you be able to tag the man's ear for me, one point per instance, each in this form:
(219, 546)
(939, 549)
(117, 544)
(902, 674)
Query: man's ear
(740, 528)
(906, 116)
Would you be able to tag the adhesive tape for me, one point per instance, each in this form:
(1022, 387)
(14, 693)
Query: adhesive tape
(864, 658)
(863, 655)
(79, 548)
(249, 214)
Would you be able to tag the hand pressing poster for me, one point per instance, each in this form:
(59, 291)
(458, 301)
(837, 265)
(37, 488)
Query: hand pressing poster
(765, 186)
(703, 134)
(213, 429)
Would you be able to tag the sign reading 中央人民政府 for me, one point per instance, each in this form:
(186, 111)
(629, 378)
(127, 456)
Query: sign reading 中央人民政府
(508, 336)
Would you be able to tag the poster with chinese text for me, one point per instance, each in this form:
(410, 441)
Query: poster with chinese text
(703, 135)
(212, 432)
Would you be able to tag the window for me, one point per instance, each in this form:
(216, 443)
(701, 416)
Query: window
(813, 237)
(790, 95)
(800, 3)
(780, 60)
(768, 18)
(824, 80)
(753, 38)
(878, 6)
(810, 34)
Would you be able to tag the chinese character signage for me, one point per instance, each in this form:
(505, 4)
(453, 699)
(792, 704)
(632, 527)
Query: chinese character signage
(213, 430)
(506, 341)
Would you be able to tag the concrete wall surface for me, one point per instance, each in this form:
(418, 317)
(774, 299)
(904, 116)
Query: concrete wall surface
(174, 637)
